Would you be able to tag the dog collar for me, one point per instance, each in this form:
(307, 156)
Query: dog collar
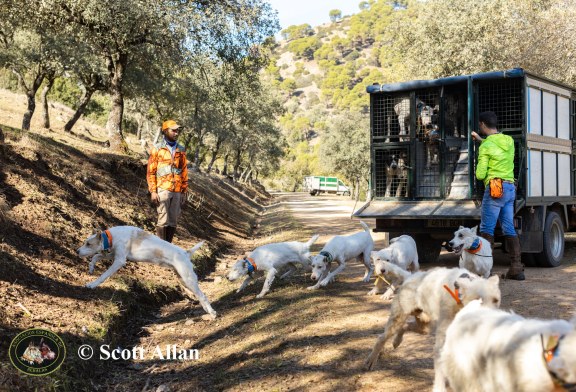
(475, 247)
(106, 240)
(327, 255)
(251, 265)
(549, 352)
(455, 294)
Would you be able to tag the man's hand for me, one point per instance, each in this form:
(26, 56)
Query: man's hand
(183, 199)
(155, 198)
(476, 136)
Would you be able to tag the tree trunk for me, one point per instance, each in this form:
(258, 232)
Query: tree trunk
(82, 103)
(214, 155)
(225, 169)
(30, 98)
(237, 162)
(140, 122)
(114, 123)
(44, 97)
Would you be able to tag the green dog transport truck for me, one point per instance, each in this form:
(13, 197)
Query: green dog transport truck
(320, 184)
(423, 158)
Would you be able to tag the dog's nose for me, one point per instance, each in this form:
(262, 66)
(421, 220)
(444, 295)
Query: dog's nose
(313, 277)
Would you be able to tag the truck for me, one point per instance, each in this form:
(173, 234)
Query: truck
(423, 159)
(320, 184)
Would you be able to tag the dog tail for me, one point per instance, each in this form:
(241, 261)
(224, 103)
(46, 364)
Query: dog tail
(366, 227)
(192, 250)
(312, 240)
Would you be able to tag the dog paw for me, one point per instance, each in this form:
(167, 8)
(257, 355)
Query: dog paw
(366, 279)
(90, 285)
(324, 282)
(312, 287)
(374, 291)
(209, 317)
(260, 295)
(386, 296)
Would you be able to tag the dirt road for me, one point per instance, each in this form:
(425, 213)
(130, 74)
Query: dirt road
(298, 340)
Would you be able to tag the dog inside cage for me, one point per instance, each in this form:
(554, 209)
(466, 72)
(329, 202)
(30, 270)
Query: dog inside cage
(392, 173)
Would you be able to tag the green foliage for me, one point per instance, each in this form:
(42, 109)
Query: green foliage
(66, 91)
(296, 32)
(304, 47)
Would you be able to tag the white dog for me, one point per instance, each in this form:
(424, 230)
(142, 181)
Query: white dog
(388, 275)
(341, 249)
(271, 258)
(475, 252)
(433, 298)
(401, 253)
(397, 173)
(123, 243)
(489, 350)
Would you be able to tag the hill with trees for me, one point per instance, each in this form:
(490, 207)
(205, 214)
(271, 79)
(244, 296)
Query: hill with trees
(322, 72)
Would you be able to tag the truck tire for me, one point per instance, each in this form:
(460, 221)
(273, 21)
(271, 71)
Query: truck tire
(428, 248)
(347, 193)
(553, 251)
(313, 193)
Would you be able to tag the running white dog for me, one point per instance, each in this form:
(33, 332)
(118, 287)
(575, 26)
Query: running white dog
(489, 350)
(271, 258)
(401, 252)
(123, 243)
(341, 249)
(475, 252)
(433, 298)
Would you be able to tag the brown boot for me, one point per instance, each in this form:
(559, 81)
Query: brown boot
(489, 238)
(516, 270)
(161, 232)
(170, 231)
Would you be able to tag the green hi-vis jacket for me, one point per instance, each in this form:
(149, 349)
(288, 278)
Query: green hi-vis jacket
(496, 158)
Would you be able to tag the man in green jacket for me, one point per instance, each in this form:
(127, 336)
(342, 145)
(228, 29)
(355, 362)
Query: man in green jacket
(496, 160)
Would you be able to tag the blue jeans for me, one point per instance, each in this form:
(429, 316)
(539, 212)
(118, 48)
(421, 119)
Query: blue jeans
(501, 209)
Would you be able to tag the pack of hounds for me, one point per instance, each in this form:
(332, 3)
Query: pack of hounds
(478, 347)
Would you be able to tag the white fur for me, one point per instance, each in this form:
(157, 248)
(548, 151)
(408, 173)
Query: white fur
(134, 244)
(480, 263)
(271, 258)
(342, 249)
(401, 253)
(422, 295)
(489, 350)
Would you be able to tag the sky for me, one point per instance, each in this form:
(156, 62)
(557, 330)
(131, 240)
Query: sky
(313, 12)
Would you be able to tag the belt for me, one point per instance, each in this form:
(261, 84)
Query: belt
(509, 182)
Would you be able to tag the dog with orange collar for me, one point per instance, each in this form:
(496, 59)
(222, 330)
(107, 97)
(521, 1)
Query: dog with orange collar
(271, 258)
(475, 252)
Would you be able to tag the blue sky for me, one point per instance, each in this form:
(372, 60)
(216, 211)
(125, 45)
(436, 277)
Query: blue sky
(313, 12)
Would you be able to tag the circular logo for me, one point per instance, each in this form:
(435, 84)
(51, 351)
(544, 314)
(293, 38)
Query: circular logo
(37, 352)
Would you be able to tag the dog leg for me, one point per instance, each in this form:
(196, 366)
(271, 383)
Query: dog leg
(439, 377)
(379, 286)
(330, 277)
(393, 327)
(291, 270)
(268, 282)
(388, 186)
(96, 258)
(389, 294)
(119, 262)
(368, 266)
(188, 277)
(244, 284)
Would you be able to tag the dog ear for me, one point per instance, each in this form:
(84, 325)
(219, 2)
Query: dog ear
(461, 227)
(463, 282)
(494, 279)
(474, 230)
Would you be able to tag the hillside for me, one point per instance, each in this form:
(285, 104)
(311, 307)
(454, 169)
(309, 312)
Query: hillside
(55, 189)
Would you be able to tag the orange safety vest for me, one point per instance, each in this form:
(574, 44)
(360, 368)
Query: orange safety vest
(167, 172)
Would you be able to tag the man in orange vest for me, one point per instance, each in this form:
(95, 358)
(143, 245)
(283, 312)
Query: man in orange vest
(167, 178)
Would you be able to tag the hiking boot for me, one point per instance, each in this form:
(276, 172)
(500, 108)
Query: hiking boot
(170, 231)
(161, 232)
(489, 238)
(516, 270)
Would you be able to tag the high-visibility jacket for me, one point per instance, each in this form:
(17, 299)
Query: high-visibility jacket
(496, 158)
(166, 171)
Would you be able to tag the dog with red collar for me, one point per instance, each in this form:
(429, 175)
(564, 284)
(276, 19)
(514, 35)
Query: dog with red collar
(270, 259)
(493, 350)
(475, 252)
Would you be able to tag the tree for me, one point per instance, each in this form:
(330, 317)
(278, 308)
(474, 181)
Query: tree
(335, 15)
(346, 149)
(118, 31)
